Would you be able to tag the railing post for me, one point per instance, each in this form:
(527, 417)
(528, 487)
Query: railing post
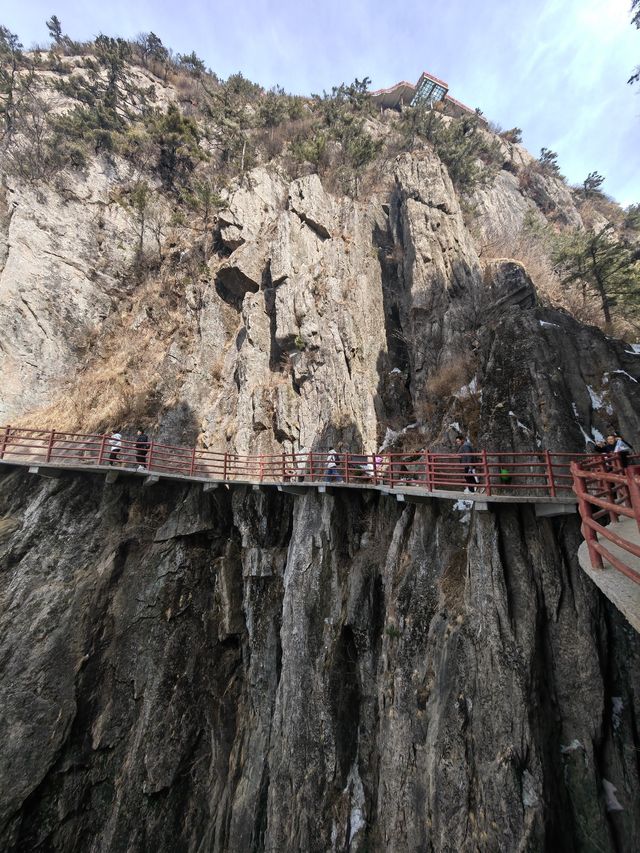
(634, 491)
(261, 469)
(586, 513)
(626, 496)
(609, 488)
(50, 444)
(192, 467)
(150, 454)
(550, 479)
(101, 451)
(5, 439)
(224, 466)
(311, 468)
(284, 466)
(374, 466)
(487, 477)
(345, 456)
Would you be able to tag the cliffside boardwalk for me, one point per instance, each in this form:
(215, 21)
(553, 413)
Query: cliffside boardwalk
(522, 477)
(609, 505)
(552, 481)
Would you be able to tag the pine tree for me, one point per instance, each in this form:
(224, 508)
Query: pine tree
(192, 63)
(150, 47)
(12, 87)
(55, 29)
(635, 20)
(592, 183)
(602, 262)
(113, 54)
(548, 161)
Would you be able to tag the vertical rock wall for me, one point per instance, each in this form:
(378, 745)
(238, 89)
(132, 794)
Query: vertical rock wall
(252, 671)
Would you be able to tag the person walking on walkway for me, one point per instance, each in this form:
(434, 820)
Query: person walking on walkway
(301, 463)
(115, 443)
(617, 444)
(467, 457)
(142, 449)
(333, 460)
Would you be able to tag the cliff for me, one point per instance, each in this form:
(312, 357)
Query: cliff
(242, 670)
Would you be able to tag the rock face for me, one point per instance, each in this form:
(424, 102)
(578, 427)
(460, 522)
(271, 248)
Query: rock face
(292, 334)
(60, 271)
(252, 671)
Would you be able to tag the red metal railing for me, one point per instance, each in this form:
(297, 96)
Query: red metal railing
(607, 490)
(538, 473)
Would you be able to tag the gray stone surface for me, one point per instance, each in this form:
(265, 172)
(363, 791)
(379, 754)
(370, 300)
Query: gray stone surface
(251, 670)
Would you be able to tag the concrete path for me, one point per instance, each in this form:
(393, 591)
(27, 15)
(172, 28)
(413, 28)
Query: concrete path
(619, 589)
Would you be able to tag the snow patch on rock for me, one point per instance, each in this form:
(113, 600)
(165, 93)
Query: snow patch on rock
(611, 801)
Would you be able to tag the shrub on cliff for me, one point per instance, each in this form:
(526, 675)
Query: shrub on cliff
(340, 118)
(514, 135)
(15, 87)
(472, 158)
(176, 137)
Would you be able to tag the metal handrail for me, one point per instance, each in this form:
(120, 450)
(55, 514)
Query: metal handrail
(606, 489)
(538, 473)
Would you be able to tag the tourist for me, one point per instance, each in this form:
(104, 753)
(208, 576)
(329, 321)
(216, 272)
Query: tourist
(467, 457)
(621, 447)
(142, 449)
(373, 467)
(115, 442)
(302, 463)
(333, 460)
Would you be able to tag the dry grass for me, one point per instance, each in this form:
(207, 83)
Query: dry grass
(441, 398)
(533, 252)
(273, 141)
(126, 378)
(597, 206)
(450, 377)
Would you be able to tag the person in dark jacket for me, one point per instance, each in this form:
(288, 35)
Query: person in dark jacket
(142, 448)
(468, 458)
(617, 444)
(599, 446)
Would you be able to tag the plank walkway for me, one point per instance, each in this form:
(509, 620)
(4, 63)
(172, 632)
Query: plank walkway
(402, 492)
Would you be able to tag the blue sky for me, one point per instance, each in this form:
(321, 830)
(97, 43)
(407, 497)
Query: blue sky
(555, 68)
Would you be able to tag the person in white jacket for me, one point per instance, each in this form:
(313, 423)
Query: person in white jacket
(333, 472)
(115, 443)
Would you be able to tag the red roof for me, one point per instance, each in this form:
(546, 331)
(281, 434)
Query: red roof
(395, 86)
(435, 79)
(459, 103)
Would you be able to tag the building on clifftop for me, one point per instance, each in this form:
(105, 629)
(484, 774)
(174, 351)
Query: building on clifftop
(429, 90)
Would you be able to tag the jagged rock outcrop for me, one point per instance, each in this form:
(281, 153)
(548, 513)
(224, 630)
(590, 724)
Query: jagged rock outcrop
(551, 382)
